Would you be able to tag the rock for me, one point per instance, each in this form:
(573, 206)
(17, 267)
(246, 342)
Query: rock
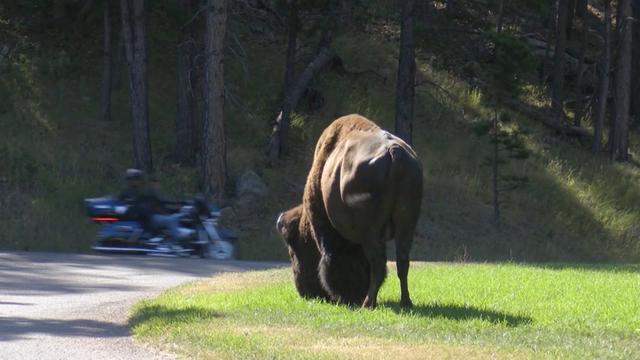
(227, 215)
(250, 183)
(250, 191)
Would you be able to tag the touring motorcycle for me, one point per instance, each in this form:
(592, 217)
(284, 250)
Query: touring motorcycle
(121, 232)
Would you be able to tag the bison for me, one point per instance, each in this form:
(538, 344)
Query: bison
(364, 189)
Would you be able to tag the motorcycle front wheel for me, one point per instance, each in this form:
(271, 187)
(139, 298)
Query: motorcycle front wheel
(218, 250)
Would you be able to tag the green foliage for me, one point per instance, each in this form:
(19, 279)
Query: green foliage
(505, 145)
(568, 311)
(511, 60)
(18, 165)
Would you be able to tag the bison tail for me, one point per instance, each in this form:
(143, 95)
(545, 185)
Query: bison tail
(397, 153)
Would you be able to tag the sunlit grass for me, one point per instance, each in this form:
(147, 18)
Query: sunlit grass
(461, 311)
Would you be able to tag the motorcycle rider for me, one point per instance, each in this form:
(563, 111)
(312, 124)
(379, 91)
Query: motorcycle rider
(147, 205)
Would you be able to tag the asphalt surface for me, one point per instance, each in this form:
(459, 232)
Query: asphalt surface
(72, 306)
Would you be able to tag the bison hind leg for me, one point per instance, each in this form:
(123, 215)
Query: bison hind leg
(344, 273)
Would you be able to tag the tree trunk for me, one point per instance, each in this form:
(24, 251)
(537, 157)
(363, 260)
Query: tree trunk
(635, 92)
(615, 53)
(571, 12)
(107, 69)
(198, 83)
(499, 22)
(584, 28)
(496, 172)
(133, 26)
(289, 77)
(185, 147)
(558, 66)
(619, 147)
(405, 83)
(581, 8)
(553, 25)
(118, 63)
(292, 27)
(451, 7)
(603, 89)
(325, 56)
(213, 140)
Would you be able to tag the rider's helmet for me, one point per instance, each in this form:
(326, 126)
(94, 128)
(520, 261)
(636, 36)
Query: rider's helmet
(133, 176)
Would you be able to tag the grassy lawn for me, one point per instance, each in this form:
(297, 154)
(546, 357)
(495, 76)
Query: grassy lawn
(461, 311)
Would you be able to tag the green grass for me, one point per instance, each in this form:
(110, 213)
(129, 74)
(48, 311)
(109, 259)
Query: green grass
(461, 311)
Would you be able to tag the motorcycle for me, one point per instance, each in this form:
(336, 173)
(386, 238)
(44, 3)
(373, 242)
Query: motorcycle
(121, 232)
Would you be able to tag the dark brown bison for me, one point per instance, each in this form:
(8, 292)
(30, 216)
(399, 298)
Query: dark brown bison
(364, 188)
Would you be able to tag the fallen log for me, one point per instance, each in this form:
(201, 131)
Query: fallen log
(542, 116)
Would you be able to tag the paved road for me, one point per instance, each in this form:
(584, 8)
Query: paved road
(72, 306)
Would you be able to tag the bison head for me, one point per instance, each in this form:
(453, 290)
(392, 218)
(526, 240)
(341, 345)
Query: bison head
(345, 270)
(303, 252)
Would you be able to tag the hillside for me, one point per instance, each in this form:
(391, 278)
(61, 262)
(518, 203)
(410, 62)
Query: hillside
(55, 150)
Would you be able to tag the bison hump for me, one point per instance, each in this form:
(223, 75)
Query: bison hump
(363, 165)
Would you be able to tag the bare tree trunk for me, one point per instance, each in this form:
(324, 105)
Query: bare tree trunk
(198, 83)
(496, 171)
(581, 8)
(133, 25)
(584, 28)
(603, 89)
(185, 147)
(558, 66)
(615, 53)
(288, 105)
(324, 56)
(451, 7)
(619, 148)
(553, 25)
(571, 12)
(213, 141)
(405, 83)
(107, 69)
(118, 63)
(635, 92)
(500, 21)
(292, 27)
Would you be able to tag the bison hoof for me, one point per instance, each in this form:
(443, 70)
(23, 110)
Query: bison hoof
(369, 304)
(406, 303)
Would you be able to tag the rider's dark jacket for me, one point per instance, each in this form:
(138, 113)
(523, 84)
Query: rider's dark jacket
(143, 203)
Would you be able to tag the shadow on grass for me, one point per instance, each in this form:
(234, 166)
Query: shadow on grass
(171, 316)
(460, 313)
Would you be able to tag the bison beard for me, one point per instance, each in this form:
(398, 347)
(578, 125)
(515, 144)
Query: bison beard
(344, 273)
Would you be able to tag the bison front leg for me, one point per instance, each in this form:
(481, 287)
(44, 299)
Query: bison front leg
(376, 255)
